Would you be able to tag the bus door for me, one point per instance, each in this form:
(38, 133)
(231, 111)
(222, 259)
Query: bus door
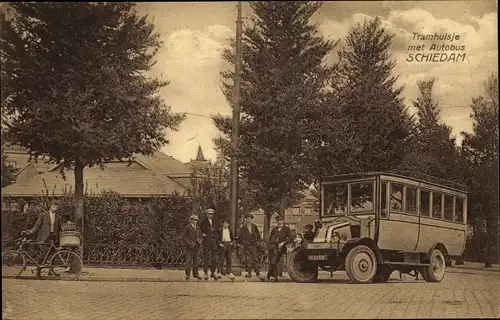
(399, 220)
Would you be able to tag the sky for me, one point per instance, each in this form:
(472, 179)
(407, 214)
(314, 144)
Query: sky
(195, 33)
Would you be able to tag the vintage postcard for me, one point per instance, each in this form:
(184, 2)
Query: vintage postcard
(256, 160)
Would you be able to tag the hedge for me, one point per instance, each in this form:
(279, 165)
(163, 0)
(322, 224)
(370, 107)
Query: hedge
(118, 230)
(110, 218)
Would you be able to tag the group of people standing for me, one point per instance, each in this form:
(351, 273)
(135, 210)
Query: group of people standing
(218, 242)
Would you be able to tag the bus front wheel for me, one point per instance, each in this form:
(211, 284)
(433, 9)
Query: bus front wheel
(361, 264)
(300, 269)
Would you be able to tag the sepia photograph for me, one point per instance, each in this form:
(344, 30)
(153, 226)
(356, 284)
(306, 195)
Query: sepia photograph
(250, 160)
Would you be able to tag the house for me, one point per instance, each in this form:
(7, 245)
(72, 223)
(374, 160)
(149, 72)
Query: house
(305, 211)
(143, 177)
(18, 158)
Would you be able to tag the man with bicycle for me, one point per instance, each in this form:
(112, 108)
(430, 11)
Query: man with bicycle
(47, 226)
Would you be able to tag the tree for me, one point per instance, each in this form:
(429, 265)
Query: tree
(480, 149)
(283, 81)
(372, 124)
(74, 84)
(8, 172)
(211, 188)
(432, 150)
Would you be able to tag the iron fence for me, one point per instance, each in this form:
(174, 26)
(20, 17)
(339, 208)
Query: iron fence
(164, 255)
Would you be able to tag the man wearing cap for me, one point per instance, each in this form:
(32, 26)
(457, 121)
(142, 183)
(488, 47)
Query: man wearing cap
(210, 246)
(225, 240)
(249, 237)
(308, 232)
(192, 239)
(279, 237)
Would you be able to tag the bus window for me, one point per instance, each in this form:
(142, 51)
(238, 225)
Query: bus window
(396, 200)
(384, 213)
(335, 199)
(459, 209)
(362, 197)
(424, 203)
(437, 208)
(448, 207)
(411, 200)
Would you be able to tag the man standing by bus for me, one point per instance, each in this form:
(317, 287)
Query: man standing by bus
(279, 237)
(192, 239)
(249, 237)
(210, 246)
(226, 241)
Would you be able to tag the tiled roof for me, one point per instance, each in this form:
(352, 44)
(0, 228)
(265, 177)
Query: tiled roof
(11, 147)
(148, 176)
(166, 164)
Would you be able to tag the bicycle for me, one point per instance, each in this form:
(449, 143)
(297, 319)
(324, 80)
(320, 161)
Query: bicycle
(15, 261)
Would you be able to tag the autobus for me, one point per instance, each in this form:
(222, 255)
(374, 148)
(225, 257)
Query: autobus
(375, 223)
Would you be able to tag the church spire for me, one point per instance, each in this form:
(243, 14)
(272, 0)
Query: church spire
(199, 156)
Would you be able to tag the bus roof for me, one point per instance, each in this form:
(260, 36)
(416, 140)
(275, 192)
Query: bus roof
(416, 176)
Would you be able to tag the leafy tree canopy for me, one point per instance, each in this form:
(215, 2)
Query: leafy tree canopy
(74, 83)
(432, 150)
(372, 121)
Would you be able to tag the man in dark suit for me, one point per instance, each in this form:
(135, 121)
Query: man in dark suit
(249, 237)
(226, 241)
(279, 237)
(308, 233)
(47, 225)
(192, 238)
(47, 228)
(210, 245)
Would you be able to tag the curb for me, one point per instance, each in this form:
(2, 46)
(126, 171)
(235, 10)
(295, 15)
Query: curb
(109, 279)
(87, 277)
(475, 269)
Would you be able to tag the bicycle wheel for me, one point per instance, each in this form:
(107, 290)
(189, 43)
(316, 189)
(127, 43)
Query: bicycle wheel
(13, 263)
(66, 264)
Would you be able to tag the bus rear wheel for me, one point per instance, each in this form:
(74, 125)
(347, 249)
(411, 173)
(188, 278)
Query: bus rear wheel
(383, 274)
(435, 271)
(361, 264)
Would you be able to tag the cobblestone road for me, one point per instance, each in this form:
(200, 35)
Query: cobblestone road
(473, 294)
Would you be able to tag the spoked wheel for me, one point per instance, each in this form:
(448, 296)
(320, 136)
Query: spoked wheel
(13, 263)
(66, 264)
(300, 269)
(435, 271)
(361, 264)
(382, 275)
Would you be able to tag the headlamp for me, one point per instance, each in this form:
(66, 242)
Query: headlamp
(335, 237)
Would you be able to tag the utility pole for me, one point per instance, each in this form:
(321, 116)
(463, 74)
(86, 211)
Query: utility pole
(236, 121)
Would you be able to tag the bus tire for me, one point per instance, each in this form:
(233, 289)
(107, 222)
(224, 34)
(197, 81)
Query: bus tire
(383, 274)
(436, 270)
(299, 269)
(361, 264)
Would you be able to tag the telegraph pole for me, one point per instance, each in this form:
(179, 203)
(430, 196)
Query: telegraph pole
(236, 121)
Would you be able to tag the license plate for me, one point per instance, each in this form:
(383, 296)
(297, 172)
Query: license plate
(320, 257)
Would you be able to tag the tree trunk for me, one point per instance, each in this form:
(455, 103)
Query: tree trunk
(79, 197)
